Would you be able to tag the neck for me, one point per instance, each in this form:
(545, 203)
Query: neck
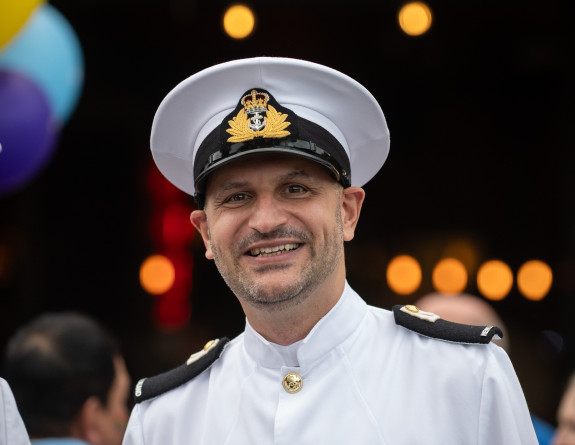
(290, 324)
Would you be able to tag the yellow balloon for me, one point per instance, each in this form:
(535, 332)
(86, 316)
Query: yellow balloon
(13, 15)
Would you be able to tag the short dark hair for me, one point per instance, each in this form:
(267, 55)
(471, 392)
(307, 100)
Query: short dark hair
(53, 365)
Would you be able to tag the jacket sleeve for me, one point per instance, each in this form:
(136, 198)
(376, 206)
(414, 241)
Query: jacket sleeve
(503, 415)
(134, 434)
(12, 429)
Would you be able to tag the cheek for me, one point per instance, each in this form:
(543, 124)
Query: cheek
(226, 229)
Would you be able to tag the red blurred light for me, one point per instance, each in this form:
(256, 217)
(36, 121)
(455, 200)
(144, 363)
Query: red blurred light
(177, 230)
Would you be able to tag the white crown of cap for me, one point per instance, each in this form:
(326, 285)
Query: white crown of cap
(314, 92)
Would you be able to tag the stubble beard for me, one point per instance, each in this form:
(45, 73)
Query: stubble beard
(321, 264)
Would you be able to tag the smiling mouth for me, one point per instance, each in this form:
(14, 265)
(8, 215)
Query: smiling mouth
(272, 251)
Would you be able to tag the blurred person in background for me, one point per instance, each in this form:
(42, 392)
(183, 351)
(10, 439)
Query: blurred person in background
(565, 433)
(12, 429)
(472, 310)
(69, 380)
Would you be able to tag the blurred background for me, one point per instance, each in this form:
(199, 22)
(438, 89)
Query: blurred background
(476, 196)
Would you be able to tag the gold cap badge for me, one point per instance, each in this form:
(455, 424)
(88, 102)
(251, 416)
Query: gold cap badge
(257, 119)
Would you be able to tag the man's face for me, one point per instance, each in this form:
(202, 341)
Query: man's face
(565, 433)
(275, 228)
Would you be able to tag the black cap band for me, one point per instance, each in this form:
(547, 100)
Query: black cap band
(298, 136)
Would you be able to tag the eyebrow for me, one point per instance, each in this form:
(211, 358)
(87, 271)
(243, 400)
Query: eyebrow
(293, 174)
(233, 185)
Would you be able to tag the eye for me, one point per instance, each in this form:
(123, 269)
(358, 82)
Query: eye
(295, 189)
(237, 197)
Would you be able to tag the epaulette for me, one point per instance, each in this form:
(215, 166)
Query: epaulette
(431, 325)
(148, 388)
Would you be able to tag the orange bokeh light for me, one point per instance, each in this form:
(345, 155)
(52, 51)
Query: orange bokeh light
(157, 274)
(449, 276)
(494, 279)
(534, 280)
(415, 18)
(239, 21)
(403, 275)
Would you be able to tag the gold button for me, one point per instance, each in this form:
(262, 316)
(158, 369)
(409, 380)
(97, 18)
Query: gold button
(292, 382)
(412, 308)
(209, 344)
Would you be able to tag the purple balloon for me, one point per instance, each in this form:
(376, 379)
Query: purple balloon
(27, 131)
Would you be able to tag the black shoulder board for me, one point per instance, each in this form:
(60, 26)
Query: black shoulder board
(430, 325)
(148, 388)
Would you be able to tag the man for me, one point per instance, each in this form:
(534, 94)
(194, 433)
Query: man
(275, 152)
(565, 432)
(69, 381)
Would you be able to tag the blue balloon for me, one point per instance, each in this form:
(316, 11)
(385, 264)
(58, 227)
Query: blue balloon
(47, 51)
(27, 131)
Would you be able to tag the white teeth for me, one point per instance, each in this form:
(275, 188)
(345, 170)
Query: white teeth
(276, 250)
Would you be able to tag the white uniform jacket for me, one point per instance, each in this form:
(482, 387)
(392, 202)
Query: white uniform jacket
(366, 381)
(12, 429)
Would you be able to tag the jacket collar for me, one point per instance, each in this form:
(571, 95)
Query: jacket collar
(329, 332)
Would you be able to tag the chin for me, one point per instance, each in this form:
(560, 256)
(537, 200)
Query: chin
(274, 296)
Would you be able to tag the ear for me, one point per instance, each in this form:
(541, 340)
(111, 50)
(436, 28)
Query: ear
(352, 200)
(88, 421)
(200, 222)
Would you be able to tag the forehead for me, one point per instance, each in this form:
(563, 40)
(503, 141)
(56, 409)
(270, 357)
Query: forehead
(268, 167)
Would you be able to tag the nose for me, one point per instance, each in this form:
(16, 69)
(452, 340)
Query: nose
(267, 214)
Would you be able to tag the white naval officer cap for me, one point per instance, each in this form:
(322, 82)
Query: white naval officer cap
(268, 104)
